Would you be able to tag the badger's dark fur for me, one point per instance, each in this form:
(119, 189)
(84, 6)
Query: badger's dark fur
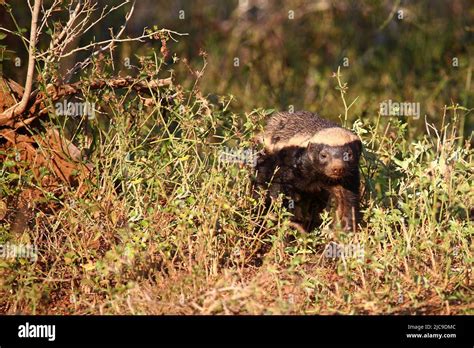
(310, 160)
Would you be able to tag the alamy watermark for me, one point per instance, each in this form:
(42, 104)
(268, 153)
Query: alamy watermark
(20, 251)
(347, 251)
(246, 156)
(390, 108)
(75, 109)
(28, 330)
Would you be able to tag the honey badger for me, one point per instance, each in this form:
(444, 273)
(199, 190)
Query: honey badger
(311, 161)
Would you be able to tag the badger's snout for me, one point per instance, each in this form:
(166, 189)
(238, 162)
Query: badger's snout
(335, 169)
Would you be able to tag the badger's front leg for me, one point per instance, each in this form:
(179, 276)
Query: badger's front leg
(347, 206)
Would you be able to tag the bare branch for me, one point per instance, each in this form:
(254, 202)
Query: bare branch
(46, 14)
(79, 21)
(111, 41)
(54, 93)
(15, 33)
(20, 107)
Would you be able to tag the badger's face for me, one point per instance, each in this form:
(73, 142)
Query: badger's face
(336, 162)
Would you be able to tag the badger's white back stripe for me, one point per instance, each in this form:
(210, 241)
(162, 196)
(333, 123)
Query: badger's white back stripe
(335, 136)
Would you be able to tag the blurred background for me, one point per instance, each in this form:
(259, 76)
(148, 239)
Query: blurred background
(282, 54)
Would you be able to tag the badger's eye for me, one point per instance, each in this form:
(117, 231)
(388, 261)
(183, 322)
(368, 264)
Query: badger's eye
(323, 155)
(347, 156)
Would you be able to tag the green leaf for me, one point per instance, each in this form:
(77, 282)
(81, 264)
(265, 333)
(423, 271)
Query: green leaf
(12, 176)
(269, 111)
(9, 163)
(403, 164)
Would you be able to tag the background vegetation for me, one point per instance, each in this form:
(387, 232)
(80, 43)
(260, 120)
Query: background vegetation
(163, 225)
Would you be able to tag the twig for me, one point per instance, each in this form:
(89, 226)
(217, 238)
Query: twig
(21, 106)
(390, 16)
(342, 87)
(15, 33)
(54, 93)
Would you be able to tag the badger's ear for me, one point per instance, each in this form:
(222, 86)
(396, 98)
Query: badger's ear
(311, 151)
(356, 147)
